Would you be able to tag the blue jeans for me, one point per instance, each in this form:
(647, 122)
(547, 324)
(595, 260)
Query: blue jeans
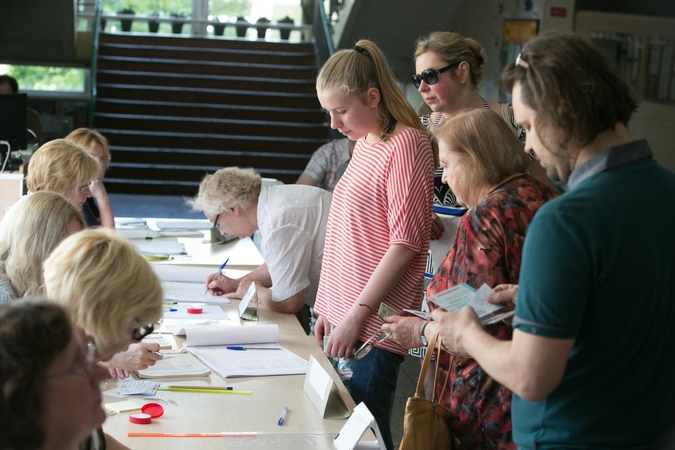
(373, 382)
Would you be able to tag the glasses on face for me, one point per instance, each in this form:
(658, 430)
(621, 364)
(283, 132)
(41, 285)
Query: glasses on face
(430, 76)
(85, 367)
(138, 334)
(83, 188)
(215, 222)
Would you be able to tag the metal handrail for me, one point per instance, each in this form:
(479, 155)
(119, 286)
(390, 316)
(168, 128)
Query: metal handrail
(94, 59)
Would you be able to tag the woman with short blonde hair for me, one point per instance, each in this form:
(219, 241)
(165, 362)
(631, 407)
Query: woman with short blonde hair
(96, 209)
(110, 290)
(225, 189)
(29, 233)
(65, 168)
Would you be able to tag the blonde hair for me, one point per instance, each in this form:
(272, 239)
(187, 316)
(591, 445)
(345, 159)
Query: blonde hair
(61, 166)
(29, 233)
(106, 285)
(454, 48)
(354, 71)
(88, 139)
(226, 189)
(485, 145)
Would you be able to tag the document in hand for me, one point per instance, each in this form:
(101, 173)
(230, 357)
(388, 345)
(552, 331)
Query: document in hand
(175, 365)
(210, 343)
(457, 297)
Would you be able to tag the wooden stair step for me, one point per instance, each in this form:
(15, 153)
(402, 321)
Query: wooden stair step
(200, 95)
(205, 81)
(208, 54)
(216, 111)
(185, 41)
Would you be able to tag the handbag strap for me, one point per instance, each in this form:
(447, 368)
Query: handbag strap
(425, 363)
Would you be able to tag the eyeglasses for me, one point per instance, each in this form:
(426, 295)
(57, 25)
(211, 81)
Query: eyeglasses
(430, 76)
(215, 222)
(86, 367)
(84, 187)
(375, 339)
(138, 334)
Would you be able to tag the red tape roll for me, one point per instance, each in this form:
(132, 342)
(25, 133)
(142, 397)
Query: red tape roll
(140, 418)
(194, 310)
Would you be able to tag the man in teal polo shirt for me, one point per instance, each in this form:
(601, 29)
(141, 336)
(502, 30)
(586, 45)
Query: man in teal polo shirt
(592, 359)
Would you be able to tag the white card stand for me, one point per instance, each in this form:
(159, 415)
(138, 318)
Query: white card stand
(323, 392)
(248, 307)
(355, 428)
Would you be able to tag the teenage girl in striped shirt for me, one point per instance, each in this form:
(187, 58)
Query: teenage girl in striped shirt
(379, 223)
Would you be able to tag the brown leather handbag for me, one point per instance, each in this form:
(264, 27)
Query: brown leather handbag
(426, 424)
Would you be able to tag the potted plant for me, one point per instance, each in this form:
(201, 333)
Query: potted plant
(177, 27)
(126, 23)
(261, 27)
(218, 28)
(153, 25)
(242, 26)
(285, 32)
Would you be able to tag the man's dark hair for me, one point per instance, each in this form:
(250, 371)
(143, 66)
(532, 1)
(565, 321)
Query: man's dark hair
(570, 84)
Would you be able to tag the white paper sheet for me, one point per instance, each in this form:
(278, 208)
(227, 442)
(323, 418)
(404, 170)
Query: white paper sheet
(230, 335)
(201, 224)
(178, 291)
(258, 363)
(209, 312)
(159, 246)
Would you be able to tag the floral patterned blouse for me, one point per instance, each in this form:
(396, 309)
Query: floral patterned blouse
(487, 249)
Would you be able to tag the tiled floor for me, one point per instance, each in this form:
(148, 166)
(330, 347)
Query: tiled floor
(127, 205)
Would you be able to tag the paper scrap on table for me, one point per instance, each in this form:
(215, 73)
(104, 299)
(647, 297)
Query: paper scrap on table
(159, 246)
(138, 387)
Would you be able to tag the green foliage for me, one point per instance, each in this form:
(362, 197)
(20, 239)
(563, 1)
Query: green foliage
(230, 8)
(41, 78)
(166, 7)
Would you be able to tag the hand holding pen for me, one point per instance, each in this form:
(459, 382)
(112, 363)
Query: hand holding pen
(216, 276)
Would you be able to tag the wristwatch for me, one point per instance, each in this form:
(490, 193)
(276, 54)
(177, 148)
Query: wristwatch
(422, 337)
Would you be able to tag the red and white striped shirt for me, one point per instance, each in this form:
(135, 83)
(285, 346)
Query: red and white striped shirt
(383, 198)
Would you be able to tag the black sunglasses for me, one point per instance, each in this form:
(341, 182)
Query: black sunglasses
(430, 76)
(139, 333)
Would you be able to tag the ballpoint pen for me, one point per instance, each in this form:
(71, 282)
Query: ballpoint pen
(241, 348)
(283, 416)
(220, 271)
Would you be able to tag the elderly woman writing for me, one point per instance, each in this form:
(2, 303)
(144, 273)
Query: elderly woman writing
(49, 384)
(291, 221)
(484, 164)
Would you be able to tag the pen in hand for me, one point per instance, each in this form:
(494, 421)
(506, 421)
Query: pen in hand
(283, 416)
(220, 271)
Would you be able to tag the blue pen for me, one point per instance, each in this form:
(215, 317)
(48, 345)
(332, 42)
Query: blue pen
(283, 416)
(243, 349)
(220, 270)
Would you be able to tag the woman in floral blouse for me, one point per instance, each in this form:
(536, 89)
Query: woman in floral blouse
(485, 165)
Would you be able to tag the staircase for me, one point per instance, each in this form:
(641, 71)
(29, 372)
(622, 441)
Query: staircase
(176, 108)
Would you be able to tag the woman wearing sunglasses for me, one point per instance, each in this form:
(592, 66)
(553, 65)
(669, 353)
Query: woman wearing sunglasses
(49, 384)
(111, 292)
(449, 70)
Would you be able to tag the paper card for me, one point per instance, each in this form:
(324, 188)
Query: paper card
(352, 432)
(138, 387)
(248, 307)
(322, 391)
(457, 297)
(386, 311)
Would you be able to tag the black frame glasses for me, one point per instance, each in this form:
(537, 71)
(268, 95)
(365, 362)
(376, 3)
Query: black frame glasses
(138, 334)
(216, 225)
(430, 76)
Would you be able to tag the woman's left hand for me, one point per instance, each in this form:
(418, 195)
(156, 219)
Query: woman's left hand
(343, 338)
(405, 331)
